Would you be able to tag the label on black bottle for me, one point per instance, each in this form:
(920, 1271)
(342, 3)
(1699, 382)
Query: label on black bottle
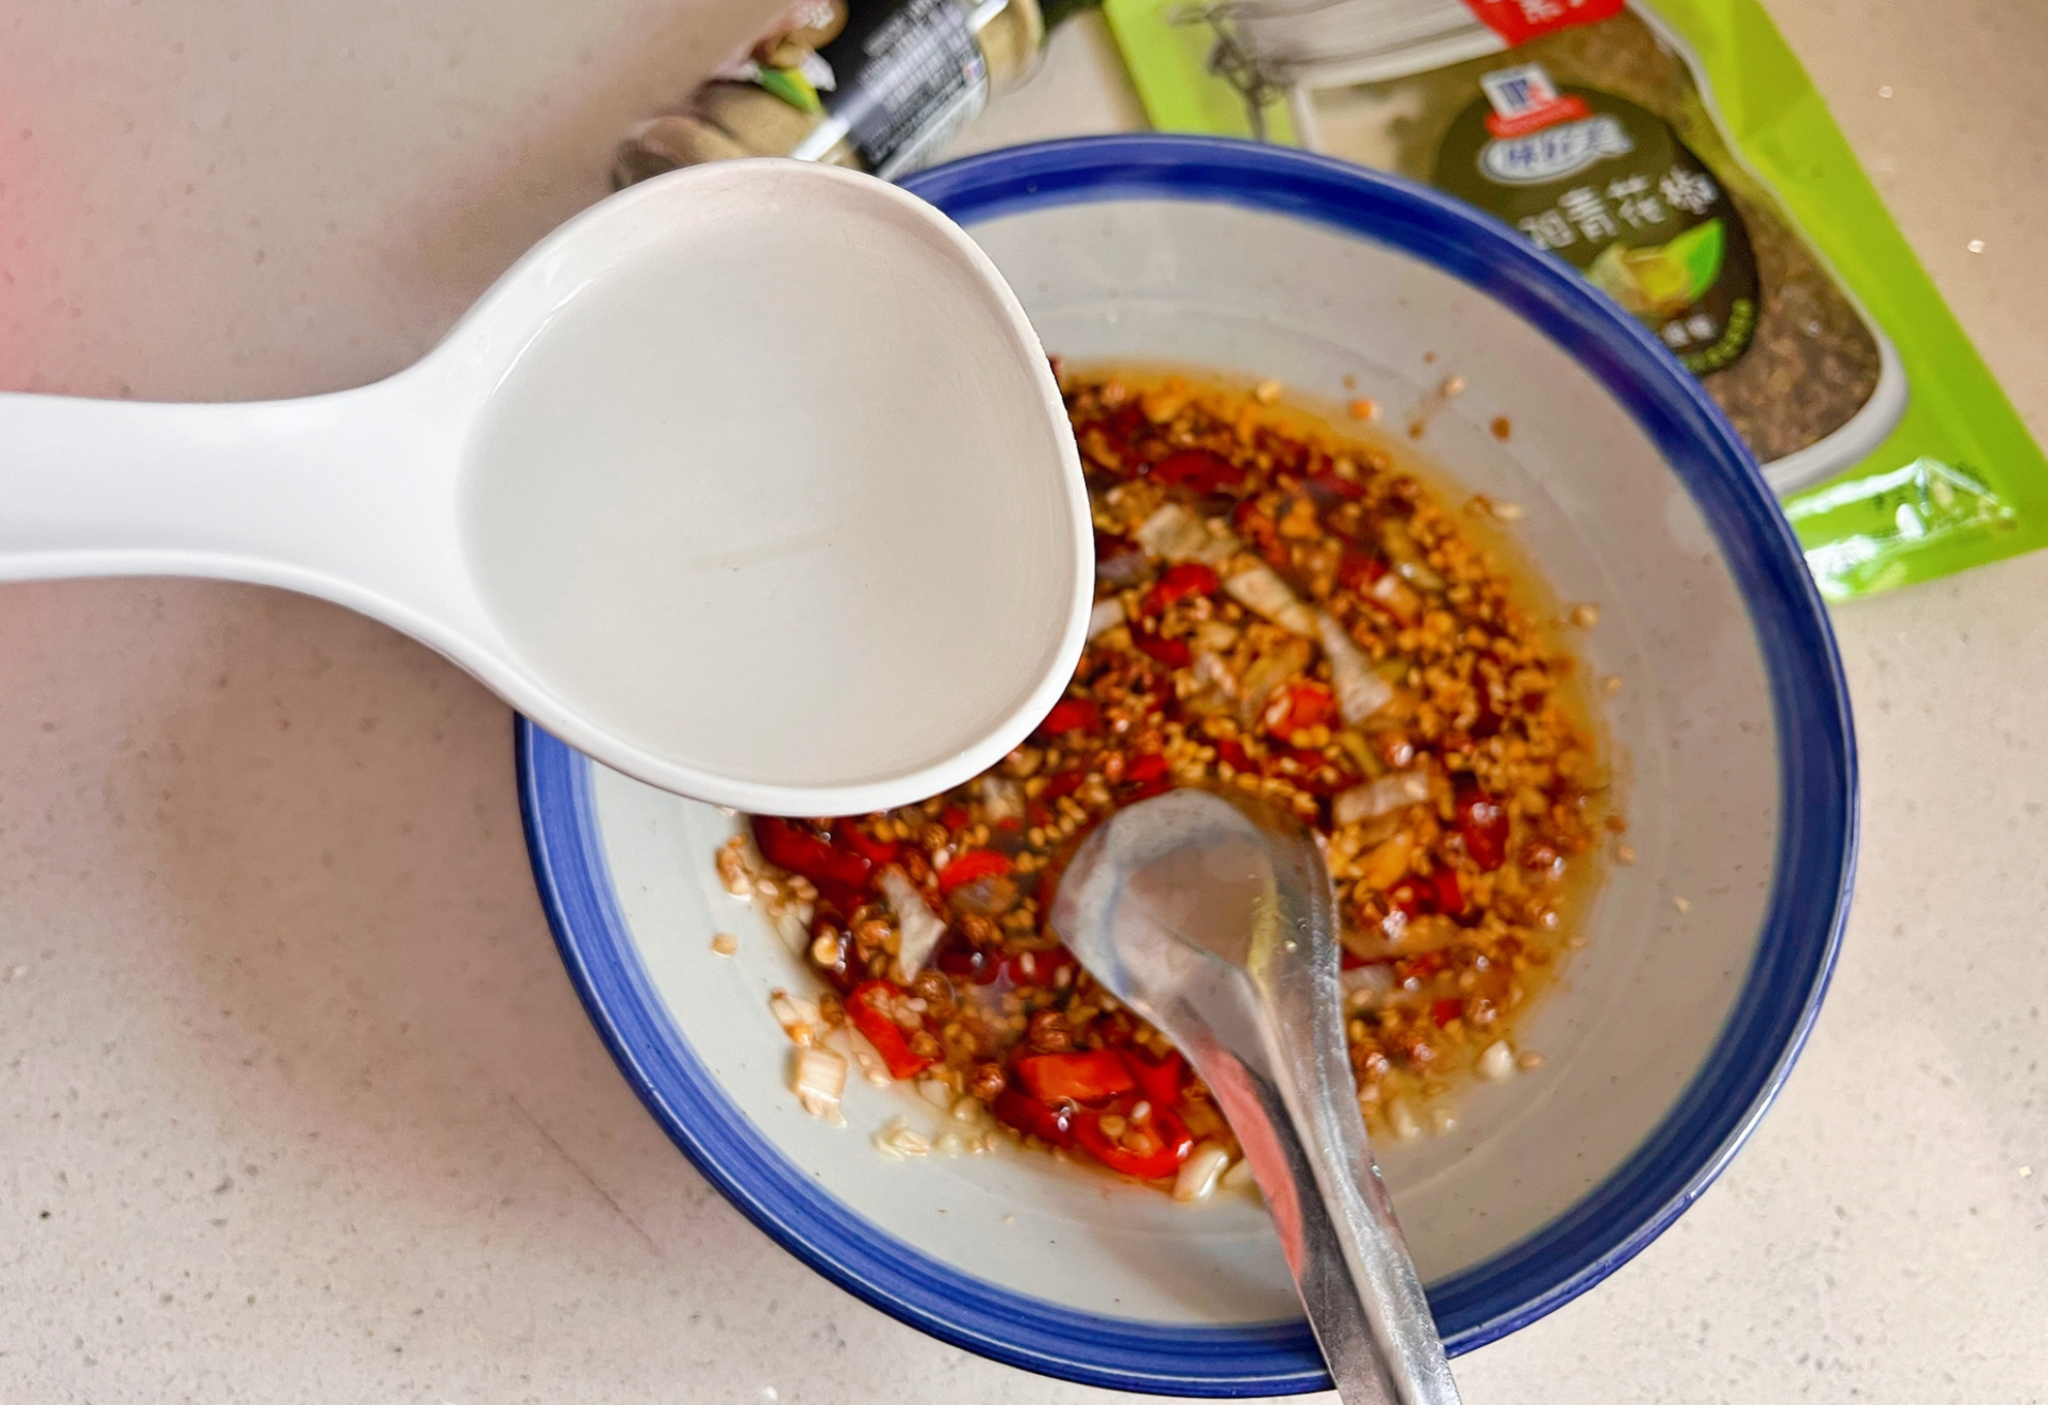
(904, 75)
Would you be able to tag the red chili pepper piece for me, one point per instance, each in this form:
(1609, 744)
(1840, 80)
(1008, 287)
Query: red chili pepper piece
(1483, 824)
(1063, 783)
(870, 1017)
(800, 850)
(1071, 715)
(1356, 571)
(1256, 525)
(955, 817)
(1174, 653)
(875, 851)
(1150, 766)
(1450, 894)
(1298, 706)
(1178, 583)
(1197, 470)
(1094, 1076)
(1159, 1081)
(1329, 484)
(1150, 1149)
(1413, 898)
(975, 863)
(1227, 749)
(1444, 1011)
(1028, 1114)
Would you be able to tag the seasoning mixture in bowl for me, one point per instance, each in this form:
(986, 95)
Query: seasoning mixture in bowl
(1280, 609)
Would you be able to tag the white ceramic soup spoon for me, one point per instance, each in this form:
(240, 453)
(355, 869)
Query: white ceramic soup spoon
(752, 482)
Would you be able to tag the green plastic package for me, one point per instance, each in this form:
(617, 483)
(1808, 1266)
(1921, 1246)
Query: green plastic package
(1675, 152)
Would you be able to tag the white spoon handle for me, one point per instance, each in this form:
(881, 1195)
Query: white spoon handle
(345, 496)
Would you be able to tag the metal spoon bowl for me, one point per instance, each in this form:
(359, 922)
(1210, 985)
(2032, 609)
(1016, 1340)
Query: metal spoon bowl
(1215, 919)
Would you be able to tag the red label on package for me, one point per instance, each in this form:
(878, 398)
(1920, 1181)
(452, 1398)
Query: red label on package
(1524, 100)
(1519, 21)
(1559, 109)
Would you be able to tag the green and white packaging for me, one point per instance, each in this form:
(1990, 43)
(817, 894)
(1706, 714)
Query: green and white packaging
(1676, 153)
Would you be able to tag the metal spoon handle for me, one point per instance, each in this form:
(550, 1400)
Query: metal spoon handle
(1337, 1229)
(1219, 924)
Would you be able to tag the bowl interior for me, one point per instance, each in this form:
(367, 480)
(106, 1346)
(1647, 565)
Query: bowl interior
(1652, 1031)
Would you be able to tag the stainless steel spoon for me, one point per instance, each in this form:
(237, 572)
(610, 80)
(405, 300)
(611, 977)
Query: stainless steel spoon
(1215, 919)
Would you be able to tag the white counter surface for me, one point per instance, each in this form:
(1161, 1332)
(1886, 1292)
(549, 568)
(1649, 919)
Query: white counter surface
(295, 1100)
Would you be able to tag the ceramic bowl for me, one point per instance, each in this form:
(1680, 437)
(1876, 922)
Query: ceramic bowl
(1706, 959)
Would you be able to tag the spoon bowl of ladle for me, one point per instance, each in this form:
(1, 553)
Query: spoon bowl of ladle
(752, 482)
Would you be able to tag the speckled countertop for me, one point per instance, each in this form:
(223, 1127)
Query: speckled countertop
(295, 1101)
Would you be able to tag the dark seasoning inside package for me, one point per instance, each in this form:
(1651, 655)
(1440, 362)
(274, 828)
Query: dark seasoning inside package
(1590, 136)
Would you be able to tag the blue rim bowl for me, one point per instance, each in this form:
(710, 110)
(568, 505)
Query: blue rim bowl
(1749, 1062)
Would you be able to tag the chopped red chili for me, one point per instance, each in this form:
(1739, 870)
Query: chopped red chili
(975, 863)
(1071, 715)
(801, 849)
(1483, 825)
(1299, 706)
(875, 851)
(1158, 1079)
(1178, 583)
(1197, 471)
(866, 1007)
(1091, 1077)
(1149, 1148)
(1028, 1114)
(1174, 653)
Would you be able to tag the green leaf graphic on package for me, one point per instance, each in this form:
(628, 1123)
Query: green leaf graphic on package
(1661, 280)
